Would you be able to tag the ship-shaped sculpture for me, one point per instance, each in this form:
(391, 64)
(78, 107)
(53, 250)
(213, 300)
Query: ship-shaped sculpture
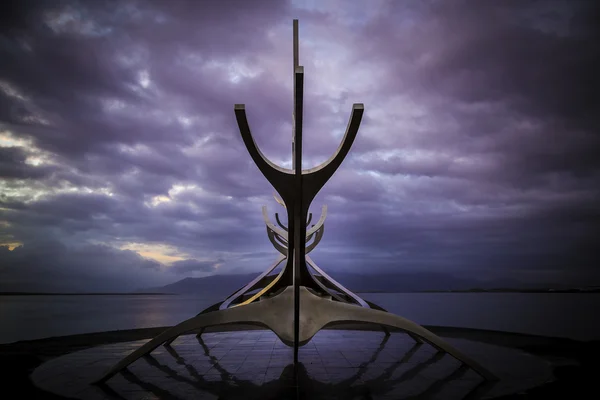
(301, 299)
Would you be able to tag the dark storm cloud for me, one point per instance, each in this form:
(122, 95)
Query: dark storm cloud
(513, 138)
(48, 265)
(91, 216)
(520, 79)
(477, 152)
(544, 73)
(13, 165)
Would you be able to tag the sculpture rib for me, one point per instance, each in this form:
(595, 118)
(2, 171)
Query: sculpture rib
(280, 239)
(261, 292)
(279, 222)
(318, 238)
(320, 230)
(275, 236)
(320, 222)
(250, 285)
(271, 225)
(281, 249)
(338, 285)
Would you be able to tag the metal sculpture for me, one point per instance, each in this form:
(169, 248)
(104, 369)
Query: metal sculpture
(298, 301)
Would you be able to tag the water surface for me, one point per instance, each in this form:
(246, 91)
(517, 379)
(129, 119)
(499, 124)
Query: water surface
(555, 314)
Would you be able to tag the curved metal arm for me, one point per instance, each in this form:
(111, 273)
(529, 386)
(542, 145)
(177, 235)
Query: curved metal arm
(280, 248)
(318, 238)
(276, 175)
(280, 239)
(250, 285)
(315, 178)
(335, 283)
(271, 225)
(279, 222)
(261, 292)
(319, 223)
(283, 230)
(351, 130)
(309, 219)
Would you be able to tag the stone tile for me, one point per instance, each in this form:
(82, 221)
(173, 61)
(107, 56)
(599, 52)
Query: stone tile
(279, 362)
(336, 363)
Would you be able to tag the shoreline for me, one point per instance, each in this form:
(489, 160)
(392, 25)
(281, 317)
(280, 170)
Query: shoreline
(574, 362)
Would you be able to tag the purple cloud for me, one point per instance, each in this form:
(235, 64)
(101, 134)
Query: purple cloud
(477, 153)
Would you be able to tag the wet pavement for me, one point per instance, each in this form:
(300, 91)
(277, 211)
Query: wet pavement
(255, 364)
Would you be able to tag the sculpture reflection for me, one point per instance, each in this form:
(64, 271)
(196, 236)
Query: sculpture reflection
(248, 384)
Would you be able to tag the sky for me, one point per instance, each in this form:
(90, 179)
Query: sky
(121, 164)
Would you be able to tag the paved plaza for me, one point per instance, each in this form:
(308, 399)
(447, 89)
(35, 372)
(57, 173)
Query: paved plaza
(255, 364)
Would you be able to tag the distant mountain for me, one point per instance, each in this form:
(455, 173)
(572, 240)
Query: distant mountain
(209, 285)
(393, 282)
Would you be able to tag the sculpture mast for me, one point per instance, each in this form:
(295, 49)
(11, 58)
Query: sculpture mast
(296, 64)
(299, 220)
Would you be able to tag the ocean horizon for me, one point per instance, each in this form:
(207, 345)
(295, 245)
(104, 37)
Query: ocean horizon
(565, 315)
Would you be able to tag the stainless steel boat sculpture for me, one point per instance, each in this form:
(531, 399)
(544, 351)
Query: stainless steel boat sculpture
(301, 299)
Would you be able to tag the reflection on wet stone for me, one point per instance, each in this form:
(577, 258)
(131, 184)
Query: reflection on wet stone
(336, 365)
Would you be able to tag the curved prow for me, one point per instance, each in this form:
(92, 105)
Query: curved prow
(316, 177)
(276, 175)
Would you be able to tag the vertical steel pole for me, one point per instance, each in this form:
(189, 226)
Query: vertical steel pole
(296, 64)
(297, 209)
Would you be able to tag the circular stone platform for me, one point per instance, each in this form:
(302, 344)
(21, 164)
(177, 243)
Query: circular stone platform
(256, 365)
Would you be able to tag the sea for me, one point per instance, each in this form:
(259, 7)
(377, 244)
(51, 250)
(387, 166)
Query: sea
(566, 315)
